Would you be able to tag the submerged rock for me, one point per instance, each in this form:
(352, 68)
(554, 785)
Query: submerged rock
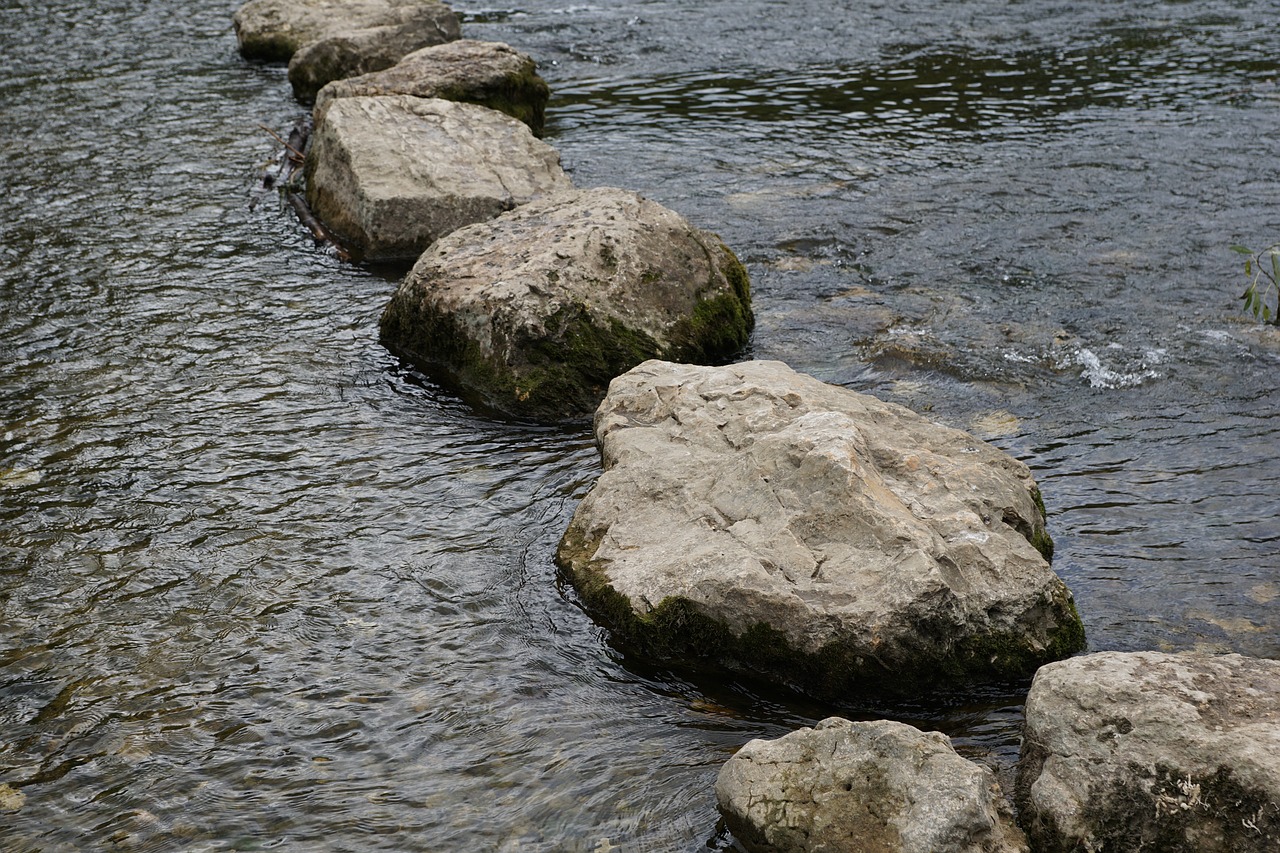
(1178, 753)
(273, 30)
(875, 787)
(490, 74)
(11, 799)
(754, 519)
(392, 174)
(534, 312)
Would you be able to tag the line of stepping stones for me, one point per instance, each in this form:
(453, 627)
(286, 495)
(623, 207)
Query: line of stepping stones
(750, 519)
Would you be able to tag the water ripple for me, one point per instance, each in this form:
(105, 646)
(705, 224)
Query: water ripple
(260, 584)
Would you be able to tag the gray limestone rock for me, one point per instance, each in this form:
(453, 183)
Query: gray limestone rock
(491, 74)
(535, 311)
(273, 30)
(392, 174)
(364, 51)
(873, 787)
(754, 519)
(1176, 753)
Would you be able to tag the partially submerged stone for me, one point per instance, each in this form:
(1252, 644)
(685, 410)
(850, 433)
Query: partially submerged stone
(533, 313)
(390, 175)
(754, 519)
(874, 787)
(1178, 753)
(350, 54)
(490, 74)
(273, 30)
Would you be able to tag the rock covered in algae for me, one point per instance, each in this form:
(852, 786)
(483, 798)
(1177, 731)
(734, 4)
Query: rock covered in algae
(534, 312)
(757, 520)
(871, 787)
(1150, 751)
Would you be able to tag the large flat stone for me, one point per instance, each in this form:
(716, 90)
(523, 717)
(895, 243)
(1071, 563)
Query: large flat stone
(754, 519)
(391, 175)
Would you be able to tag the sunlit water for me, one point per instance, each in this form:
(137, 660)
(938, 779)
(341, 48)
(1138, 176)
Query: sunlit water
(263, 588)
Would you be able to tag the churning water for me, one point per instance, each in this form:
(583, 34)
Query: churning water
(263, 588)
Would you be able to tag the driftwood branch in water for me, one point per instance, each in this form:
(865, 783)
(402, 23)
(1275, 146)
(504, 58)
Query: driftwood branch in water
(315, 226)
(291, 160)
(294, 155)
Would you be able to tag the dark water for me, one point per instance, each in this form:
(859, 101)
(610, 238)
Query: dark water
(261, 588)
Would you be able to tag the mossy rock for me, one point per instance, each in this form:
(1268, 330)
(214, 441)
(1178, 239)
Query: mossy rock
(679, 631)
(533, 314)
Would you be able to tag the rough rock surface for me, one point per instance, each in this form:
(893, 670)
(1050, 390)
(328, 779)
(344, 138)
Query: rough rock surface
(875, 787)
(490, 74)
(759, 520)
(1177, 753)
(392, 174)
(364, 51)
(536, 311)
(273, 30)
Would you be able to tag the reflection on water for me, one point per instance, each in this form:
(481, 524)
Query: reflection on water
(262, 587)
(924, 95)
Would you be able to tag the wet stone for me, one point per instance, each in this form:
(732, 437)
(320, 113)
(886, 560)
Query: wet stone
(490, 74)
(1153, 751)
(392, 174)
(756, 520)
(869, 787)
(274, 30)
(534, 312)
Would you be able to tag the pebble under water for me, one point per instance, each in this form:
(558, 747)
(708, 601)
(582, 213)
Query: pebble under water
(263, 587)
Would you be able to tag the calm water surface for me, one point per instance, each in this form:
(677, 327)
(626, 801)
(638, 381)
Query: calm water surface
(263, 588)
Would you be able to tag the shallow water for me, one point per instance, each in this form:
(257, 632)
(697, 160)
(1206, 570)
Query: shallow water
(261, 587)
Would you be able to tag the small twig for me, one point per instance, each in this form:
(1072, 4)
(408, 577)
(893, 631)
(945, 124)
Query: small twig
(294, 151)
(315, 226)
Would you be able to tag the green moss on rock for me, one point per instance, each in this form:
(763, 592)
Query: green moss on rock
(1154, 808)
(1039, 536)
(678, 631)
(720, 326)
(523, 96)
(557, 376)
(569, 370)
(428, 337)
(1068, 637)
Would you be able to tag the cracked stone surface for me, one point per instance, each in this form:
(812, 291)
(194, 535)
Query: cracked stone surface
(878, 547)
(392, 174)
(1151, 751)
(873, 787)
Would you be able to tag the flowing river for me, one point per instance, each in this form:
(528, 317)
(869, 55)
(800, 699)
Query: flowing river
(262, 587)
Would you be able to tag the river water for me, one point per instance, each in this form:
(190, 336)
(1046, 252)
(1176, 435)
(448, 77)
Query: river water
(261, 587)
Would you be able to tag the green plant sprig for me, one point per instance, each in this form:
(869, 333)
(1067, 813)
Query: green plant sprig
(1262, 269)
